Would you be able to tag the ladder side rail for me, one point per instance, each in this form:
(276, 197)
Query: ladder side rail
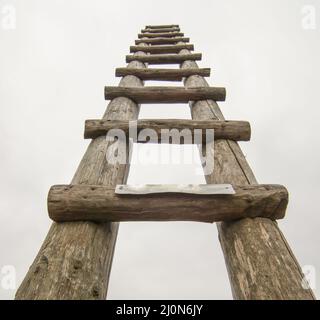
(259, 261)
(75, 259)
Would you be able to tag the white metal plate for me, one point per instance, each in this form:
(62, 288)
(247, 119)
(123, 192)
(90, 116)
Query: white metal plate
(175, 188)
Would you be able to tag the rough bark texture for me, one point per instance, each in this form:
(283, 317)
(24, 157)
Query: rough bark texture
(160, 30)
(161, 35)
(162, 40)
(259, 260)
(75, 259)
(165, 94)
(101, 204)
(232, 130)
(162, 74)
(154, 49)
(165, 58)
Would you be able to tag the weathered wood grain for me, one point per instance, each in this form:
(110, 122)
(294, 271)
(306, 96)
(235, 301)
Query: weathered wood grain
(161, 30)
(162, 74)
(165, 94)
(75, 259)
(259, 261)
(101, 204)
(162, 40)
(165, 128)
(161, 35)
(162, 49)
(165, 58)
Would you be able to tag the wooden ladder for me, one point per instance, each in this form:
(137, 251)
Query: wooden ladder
(75, 259)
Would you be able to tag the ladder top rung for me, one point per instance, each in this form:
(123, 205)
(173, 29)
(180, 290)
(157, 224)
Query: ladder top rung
(163, 26)
(162, 40)
(101, 203)
(160, 35)
(175, 131)
(162, 49)
(164, 58)
(162, 30)
(166, 94)
(162, 74)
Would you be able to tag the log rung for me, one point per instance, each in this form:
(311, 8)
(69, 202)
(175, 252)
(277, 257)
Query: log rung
(161, 35)
(161, 30)
(162, 74)
(162, 49)
(163, 26)
(171, 130)
(164, 58)
(166, 94)
(162, 40)
(101, 203)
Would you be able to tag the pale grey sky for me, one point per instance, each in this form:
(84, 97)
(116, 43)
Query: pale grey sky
(54, 66)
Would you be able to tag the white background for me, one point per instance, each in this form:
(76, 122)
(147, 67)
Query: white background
(53, 67)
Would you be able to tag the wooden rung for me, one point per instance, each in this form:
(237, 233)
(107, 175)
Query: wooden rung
(231, 130)
(101, 203)
(162, 74)
(162, 49)
(162, 40)
(156, 35)
(166, 94)
(164, 58)
(161, 30)
(164, 26)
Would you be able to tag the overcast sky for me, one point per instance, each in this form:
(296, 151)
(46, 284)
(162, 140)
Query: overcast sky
(53, 67)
